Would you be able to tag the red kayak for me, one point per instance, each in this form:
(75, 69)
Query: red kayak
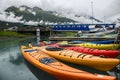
(96, 52)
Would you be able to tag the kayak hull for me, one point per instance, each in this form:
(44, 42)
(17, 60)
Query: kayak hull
(99, 63)
(56, 69)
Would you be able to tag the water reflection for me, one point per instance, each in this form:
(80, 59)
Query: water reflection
(38, 39)
(17, 61)
(12, 66)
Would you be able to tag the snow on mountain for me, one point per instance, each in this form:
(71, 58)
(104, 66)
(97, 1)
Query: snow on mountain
(10, 18)
(80, 18)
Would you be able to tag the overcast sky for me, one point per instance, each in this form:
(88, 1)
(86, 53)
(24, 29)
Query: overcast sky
(101, 8)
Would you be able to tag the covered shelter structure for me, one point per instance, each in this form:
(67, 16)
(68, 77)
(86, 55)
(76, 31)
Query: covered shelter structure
(70, 30)
(74, 27)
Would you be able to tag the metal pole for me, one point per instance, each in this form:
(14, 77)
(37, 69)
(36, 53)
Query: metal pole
(38, 35)
(92, 11)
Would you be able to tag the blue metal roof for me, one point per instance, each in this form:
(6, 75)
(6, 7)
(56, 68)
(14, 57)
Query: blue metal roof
(76, 27)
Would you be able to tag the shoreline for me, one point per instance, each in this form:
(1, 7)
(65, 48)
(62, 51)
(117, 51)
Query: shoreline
(5, 38)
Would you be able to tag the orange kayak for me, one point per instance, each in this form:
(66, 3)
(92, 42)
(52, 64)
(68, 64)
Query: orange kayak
(56, 68)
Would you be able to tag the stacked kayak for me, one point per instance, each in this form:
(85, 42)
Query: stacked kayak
(56, 68)
(94, 42)
(99, 46)
(103, 64)
(95, 46)
(96, 52)
(105, 42)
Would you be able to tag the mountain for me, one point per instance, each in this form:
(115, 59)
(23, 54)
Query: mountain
(114, 19)
(81, 18)
(35, 14)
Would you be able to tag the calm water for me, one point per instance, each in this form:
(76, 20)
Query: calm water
(12, 66)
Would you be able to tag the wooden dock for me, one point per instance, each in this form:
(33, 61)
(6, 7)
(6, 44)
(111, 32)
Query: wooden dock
(117, 38)
(77, 38)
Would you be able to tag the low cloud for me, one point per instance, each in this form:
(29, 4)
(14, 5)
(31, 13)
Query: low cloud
(10, 18)
(102, 8)
(74, 6)
(115, 8)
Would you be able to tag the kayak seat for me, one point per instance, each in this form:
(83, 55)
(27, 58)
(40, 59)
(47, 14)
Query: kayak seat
(52, 48)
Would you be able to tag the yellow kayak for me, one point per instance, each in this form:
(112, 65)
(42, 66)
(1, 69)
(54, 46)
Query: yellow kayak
(55, 68)
(99, 46)
(95, 46)
(99, 63)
